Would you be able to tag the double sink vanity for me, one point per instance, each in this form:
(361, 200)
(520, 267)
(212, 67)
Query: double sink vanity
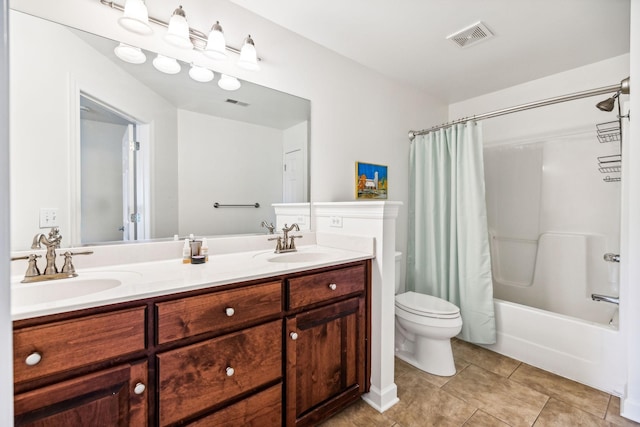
(250, 338)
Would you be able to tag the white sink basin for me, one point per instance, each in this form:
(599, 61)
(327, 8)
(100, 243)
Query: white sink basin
(300, 257)
(50, 291)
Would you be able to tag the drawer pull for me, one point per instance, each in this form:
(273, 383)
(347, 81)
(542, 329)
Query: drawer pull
(294, 335)
(230, 311)
(33, 359)
(139, 388)
(230, 371)
(333, 286)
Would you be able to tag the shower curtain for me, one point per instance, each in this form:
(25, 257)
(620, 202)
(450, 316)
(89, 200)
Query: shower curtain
(448, 252)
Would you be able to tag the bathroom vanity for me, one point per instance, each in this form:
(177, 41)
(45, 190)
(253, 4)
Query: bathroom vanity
(289, 348)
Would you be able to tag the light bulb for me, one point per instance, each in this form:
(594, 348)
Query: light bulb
(166, 65)
(228, 82)
(135, 17)
(130, 54)
(248, 55)
(200, 74)
(178, 30)
(216, 45)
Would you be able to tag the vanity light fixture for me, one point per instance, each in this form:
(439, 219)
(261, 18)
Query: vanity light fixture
(228, 82)
(130, 54)
(248, 55)
(179, 34)
(216, 45)
(178, 30)
(200, 74)
(135, 17)
(166, 65)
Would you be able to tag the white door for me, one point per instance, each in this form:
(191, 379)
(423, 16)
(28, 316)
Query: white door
(293, 177)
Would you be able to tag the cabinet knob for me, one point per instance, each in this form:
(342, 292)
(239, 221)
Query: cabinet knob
(139, 388)
(230, 311)
(230, 371)
(333, 286)
(294, 335)
(33, 359)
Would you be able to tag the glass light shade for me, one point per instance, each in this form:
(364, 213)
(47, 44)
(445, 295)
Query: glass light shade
(130, 54)
(248, 56)
(200, 74)
(166, 65)
(228, 82)
(216, 45)
(135, 17)
(178, 31)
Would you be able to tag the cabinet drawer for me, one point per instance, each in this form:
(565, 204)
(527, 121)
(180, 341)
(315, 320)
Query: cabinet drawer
(263, 409)
(187, 317)
(318, 287)
(200, 376)
(74, 343)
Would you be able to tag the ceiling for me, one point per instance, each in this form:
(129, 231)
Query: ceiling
(406, 39)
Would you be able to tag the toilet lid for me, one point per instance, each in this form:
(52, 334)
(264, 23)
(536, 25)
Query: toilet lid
(426, 305)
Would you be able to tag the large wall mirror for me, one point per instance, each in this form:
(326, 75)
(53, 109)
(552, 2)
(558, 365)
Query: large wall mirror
(116, 151)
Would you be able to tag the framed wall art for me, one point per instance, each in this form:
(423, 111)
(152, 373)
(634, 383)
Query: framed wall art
(371, 181)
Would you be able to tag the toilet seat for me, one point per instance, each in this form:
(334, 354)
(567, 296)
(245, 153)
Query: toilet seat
(427, 305)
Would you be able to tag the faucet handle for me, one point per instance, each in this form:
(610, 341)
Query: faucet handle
(292, 245)
(278, 243)
(68, 267)
(32, 269)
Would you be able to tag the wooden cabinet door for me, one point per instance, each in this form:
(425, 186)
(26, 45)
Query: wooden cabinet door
(112, 397)
(325, 360)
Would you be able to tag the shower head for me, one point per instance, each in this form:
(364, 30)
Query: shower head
(608, 104)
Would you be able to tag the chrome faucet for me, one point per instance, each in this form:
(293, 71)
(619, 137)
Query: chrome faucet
(268, 226)
(605, 298)
(286, 243)
(51, 242)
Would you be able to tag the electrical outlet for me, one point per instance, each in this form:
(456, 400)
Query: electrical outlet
(301, 220)
(48, 217)
(335, 221)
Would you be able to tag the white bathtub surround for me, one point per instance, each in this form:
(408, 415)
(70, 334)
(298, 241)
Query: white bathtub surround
(375, 219)
(448, 254)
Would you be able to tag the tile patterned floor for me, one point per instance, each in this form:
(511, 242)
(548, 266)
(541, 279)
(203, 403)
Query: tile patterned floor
(489, 390)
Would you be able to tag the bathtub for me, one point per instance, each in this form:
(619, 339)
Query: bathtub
(584, 351)
(544, 312)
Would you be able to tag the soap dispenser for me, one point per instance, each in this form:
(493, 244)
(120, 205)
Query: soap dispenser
(186, 252)
(204, 249)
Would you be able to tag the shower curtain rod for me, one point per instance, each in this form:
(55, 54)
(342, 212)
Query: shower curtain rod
(623, 87)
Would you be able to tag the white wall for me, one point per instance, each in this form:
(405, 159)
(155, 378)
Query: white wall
(6, 341)
(215, 165)
(44, 135)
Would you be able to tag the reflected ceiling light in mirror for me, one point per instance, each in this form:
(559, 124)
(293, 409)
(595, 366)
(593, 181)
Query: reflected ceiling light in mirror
(166, 65)
(130, 54)
(216, 46)
(248, 55)
(200, 74)
(178, 30)
(135, 17)
(228, 82)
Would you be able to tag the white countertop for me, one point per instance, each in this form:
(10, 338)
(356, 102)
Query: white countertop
(134, 281)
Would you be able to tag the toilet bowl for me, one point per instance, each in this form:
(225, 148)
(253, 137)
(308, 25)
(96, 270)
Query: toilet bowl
(424, 327)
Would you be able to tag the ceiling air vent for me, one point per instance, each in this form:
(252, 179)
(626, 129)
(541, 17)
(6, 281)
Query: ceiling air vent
(236, 102)
(471, 35)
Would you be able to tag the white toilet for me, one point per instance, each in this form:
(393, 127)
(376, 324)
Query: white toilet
(424, 328)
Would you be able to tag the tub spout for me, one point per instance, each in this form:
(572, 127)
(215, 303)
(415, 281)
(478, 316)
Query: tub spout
(605, 298)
